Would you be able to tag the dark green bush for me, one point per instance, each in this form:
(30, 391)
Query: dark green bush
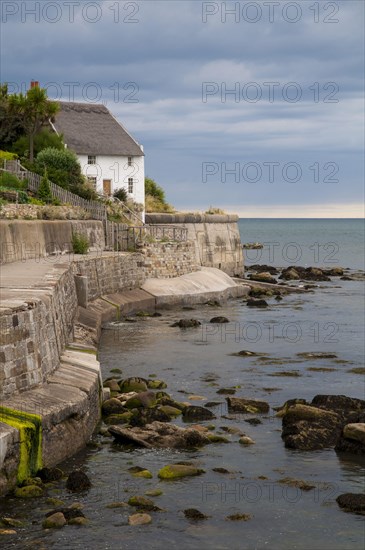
(22, 195)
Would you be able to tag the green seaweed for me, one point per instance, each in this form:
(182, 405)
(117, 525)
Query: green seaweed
(30, 439)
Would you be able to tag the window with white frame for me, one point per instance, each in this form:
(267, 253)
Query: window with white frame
(92, 181)
(130, 185)
(130, 161)
(91, 159)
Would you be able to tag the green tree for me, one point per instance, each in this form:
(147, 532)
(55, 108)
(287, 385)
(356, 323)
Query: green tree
(44, 139)
(11, 123)
(35, 109)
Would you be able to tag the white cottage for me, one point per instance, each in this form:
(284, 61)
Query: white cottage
(110, 158)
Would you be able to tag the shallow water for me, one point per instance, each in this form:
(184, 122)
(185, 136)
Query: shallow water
(198, 361)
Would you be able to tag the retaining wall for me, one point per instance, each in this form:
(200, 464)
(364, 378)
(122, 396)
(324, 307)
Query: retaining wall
(216, 239)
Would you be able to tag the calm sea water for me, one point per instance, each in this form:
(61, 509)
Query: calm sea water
(307, 242)
(198, 361)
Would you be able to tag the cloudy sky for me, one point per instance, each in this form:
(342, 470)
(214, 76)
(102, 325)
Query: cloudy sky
(254, 107)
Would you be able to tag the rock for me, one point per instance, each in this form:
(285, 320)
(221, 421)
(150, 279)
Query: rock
(187, 323)
(11, 522)
(260, 268)
(256, 303)
(238, 517)
(156, 314)
(247, 353)
(143, 503)
(133, 384)
(143, 399)
(113, 505)
(349, 408)
(253, 406)
(290, 275)
(221, 470)
(68, 512)
(50, 474)
(264, 277)
(7, 532)
(161, 435)
(334, 272)
(171, 412)
(142, 417)
(32, 481)
(213, 438)
(112, 406)
(346, 278)
(245, 440)
(30, 491)
(54, 501)
(305, 273)
(190, 414)
(309, 428)
(298, 483)
(226, 391)
(355, 431)
(213, 403)
(352, 502)
(317, 355)
(219, 320)
(78, 481)
(138, 471)
(284, 408)
(122, 418)
(139, 519)
(278, 298)
(177, 471)
(112, 385)
(258, 292)
(213, 303)
(156, 384)
(194, 514)
(153, 492)
(78, 521)
(352, 439)
(54, 521)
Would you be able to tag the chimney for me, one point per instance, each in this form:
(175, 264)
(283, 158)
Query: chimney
(34, 84)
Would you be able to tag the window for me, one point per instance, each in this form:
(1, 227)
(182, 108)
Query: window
(130, 185)
(92, 181)
(130, 160)
(91, 159)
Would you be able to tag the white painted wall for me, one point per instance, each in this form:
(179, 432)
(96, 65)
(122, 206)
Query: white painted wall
(116, 169)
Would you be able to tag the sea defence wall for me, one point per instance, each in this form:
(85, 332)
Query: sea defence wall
(216, 239)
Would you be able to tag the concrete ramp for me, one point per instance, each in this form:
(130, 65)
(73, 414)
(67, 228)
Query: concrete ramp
(194, 288)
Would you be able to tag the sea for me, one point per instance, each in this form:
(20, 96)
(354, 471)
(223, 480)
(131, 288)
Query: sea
(279, 514)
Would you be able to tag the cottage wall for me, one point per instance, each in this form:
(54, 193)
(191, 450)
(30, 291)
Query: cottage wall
(117, 170)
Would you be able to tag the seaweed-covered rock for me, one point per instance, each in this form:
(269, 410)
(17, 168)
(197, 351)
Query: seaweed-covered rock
(134, 384)
(29, 491)
(187, 323)
(54, 521)
(263, 268)
(193, 413)
(352, 502)
(139, 519)
(219, 319)
(253, 302)
(78, 481)
(156, 384)
(194, 514)
(50, 474)
(241, 405)
(263, 277)
(112, 406)
(352, 439)
(177, 471)
(145, 399)
(160, 434)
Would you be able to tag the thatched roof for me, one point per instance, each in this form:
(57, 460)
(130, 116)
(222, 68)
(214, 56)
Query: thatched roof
(90, 129)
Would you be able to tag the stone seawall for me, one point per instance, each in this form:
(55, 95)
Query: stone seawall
(216, 239)
(170, 259)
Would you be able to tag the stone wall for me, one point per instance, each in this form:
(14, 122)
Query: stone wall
(170, 259)
(13, 211)
(216, 238)
(22, 240)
